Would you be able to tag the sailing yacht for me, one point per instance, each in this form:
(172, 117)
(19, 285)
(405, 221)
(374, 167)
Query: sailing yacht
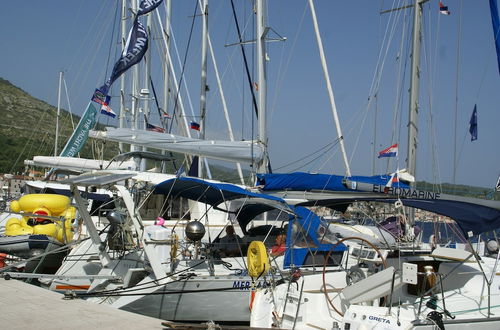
(405, 286)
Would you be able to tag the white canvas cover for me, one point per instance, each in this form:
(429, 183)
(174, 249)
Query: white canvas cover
(237, 151)
(79, 164)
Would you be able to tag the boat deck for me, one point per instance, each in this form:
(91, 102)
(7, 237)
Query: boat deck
(26, 306)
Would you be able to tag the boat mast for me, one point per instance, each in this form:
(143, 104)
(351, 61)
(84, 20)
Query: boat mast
(134, 106)
(145, 91)
(203, 88)
(166, 73)
(329, 87)
(224, 105)
(262, 30)
(121, 115)
(411, 160)
(58, 113)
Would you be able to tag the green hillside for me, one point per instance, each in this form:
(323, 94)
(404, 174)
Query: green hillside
(27, 128)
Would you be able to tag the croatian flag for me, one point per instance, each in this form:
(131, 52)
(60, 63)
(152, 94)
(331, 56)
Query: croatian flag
(443, 9)
(154, 128)
(392, 151)
(195, 126)
(106, 110)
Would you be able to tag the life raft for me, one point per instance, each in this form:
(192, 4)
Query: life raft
(257, 259)
(51, 205)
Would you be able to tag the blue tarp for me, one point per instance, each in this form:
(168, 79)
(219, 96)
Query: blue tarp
(300, 181)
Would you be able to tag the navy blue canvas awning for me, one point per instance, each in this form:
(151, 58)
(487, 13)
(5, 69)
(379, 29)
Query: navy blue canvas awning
(473, 215)
(214, 193)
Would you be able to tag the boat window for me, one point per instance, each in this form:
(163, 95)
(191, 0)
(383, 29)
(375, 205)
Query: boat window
(325, 234)
(300, 238)
(317, 258)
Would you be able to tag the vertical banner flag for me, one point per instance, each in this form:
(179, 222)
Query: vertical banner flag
(81, 133)
(497, 188)
(392, 151)
(496, 28)
(135, 48)
(473, 124)
(443, 9)
(148, 5)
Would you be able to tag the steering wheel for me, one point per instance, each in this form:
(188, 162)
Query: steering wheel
(330, 301)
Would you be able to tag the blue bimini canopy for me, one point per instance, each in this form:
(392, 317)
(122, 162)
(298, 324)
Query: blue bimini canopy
(249, 204)
(300, 181)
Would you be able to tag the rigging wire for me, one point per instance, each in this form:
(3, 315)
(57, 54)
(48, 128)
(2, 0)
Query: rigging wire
(375, 85)
(455, 160)
(247, 70)
(181, 78)
(328, 147)
(282, 69)
(431, 63)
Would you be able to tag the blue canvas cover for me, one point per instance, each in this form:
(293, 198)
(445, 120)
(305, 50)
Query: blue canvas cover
(214, 194)
(205, 191)
(301, 181)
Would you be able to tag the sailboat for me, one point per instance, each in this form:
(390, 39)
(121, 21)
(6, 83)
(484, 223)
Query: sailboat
(393, 288)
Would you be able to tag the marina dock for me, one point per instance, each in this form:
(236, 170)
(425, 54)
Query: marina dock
(25, 306)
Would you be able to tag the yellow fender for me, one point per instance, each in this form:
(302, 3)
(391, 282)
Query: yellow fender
(258, 262)
(15, 227)
(27, 203)
(49, 229)
(69, 214)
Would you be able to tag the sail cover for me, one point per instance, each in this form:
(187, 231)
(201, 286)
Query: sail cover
(79, 164)
(238, 151)
(300, 181)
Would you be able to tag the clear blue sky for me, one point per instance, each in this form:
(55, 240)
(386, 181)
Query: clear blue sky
(42, 38)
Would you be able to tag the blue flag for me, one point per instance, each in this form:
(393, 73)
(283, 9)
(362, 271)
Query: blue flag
(148, 5)
(135, 48)
(473, 124)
